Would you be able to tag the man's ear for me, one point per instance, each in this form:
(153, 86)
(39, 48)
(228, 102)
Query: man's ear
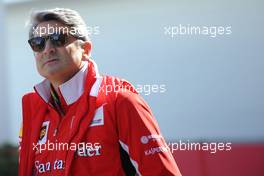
(86, 46)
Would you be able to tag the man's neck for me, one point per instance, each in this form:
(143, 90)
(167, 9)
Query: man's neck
(57, 82)
(56, 85)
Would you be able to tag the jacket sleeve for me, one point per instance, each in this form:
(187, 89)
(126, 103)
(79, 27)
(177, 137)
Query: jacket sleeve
(140, 137)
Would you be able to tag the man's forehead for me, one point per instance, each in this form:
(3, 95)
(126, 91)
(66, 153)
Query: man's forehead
(48, 28)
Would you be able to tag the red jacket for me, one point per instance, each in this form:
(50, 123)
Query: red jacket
(107, 130)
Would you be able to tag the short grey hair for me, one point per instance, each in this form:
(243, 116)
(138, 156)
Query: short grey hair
(67, 17)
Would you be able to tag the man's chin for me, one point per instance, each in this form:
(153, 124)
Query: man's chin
(52, 74)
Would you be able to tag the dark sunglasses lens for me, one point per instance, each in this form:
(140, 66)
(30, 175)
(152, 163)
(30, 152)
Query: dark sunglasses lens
(58, 40)
(37, 44)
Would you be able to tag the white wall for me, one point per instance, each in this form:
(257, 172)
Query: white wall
(5, 126)
(214, 85)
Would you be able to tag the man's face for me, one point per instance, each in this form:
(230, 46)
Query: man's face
(58, 63)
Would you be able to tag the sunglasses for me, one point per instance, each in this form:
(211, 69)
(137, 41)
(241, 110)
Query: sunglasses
(57, 40)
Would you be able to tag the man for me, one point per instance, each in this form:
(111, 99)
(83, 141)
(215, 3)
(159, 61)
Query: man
(78, 122)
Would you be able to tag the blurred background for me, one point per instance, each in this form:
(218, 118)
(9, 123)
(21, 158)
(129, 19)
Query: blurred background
(208, 88)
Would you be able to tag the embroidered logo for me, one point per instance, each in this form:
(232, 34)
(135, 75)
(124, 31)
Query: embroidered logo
(43, 132)
(98, 119)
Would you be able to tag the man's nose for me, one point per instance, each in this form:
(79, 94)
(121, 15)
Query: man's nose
(49, 48)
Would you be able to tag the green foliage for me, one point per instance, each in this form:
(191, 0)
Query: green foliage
(8, 160)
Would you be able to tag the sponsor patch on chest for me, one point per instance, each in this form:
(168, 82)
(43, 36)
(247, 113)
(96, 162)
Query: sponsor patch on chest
(43, 134)
(98, 119)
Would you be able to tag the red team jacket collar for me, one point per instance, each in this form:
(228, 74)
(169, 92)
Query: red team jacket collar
(34, 117)
(70, 90)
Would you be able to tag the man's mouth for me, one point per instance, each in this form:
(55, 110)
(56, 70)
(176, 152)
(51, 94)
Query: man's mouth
(50, 61)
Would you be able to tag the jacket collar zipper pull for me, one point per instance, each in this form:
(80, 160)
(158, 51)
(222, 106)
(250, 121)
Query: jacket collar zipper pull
(55, 132)
(73, 117)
